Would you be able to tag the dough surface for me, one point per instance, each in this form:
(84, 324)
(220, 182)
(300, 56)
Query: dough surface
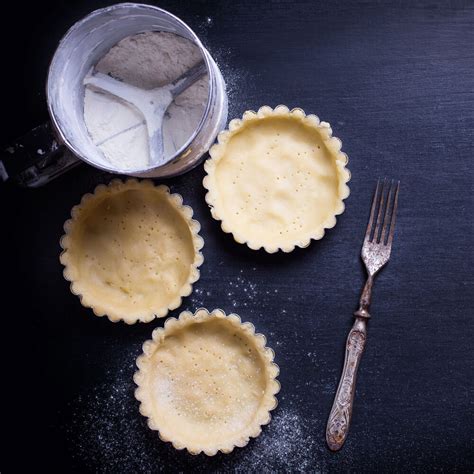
(276, 181)
(131, 251)
(206, 382)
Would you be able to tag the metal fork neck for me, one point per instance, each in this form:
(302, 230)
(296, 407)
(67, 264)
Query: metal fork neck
(365, 297)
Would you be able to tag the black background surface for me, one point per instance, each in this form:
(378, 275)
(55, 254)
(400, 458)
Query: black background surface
(396, 81)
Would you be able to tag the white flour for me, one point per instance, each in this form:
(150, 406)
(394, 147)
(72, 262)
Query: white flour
(108, 434)
(146, 60)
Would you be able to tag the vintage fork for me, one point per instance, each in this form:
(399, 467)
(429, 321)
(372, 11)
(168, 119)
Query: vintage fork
(375, 254)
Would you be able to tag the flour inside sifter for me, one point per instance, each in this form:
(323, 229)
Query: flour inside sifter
(145, 98)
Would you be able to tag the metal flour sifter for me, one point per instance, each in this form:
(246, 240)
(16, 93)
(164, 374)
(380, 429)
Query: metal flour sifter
(59, 145)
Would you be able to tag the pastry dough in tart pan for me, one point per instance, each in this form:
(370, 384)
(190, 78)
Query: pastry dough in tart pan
(206, 382)
(131, 250)
(276, 179)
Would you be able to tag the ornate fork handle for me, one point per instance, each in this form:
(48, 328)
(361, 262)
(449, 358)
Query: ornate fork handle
(341, 412)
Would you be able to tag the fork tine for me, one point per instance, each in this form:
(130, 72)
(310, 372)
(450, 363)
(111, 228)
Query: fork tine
(379, 214)
(388, 210)
(394, 217)
(372, 211)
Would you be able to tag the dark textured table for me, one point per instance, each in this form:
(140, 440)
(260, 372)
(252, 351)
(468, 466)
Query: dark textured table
(396, 81)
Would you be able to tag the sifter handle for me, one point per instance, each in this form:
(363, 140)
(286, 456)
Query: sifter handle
(36, 158)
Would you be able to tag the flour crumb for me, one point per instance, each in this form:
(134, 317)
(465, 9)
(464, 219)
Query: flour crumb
(284, 442)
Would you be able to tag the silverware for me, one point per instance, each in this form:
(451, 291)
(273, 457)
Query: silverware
(375, 254)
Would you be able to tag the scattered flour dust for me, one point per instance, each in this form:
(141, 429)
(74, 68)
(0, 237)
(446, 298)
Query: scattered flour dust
(242, 294)
(284, 445)
(240, 83)
(106, 433)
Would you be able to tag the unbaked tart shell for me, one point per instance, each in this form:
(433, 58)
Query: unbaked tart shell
(276, 179)
(131, 250)
(206, 382)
